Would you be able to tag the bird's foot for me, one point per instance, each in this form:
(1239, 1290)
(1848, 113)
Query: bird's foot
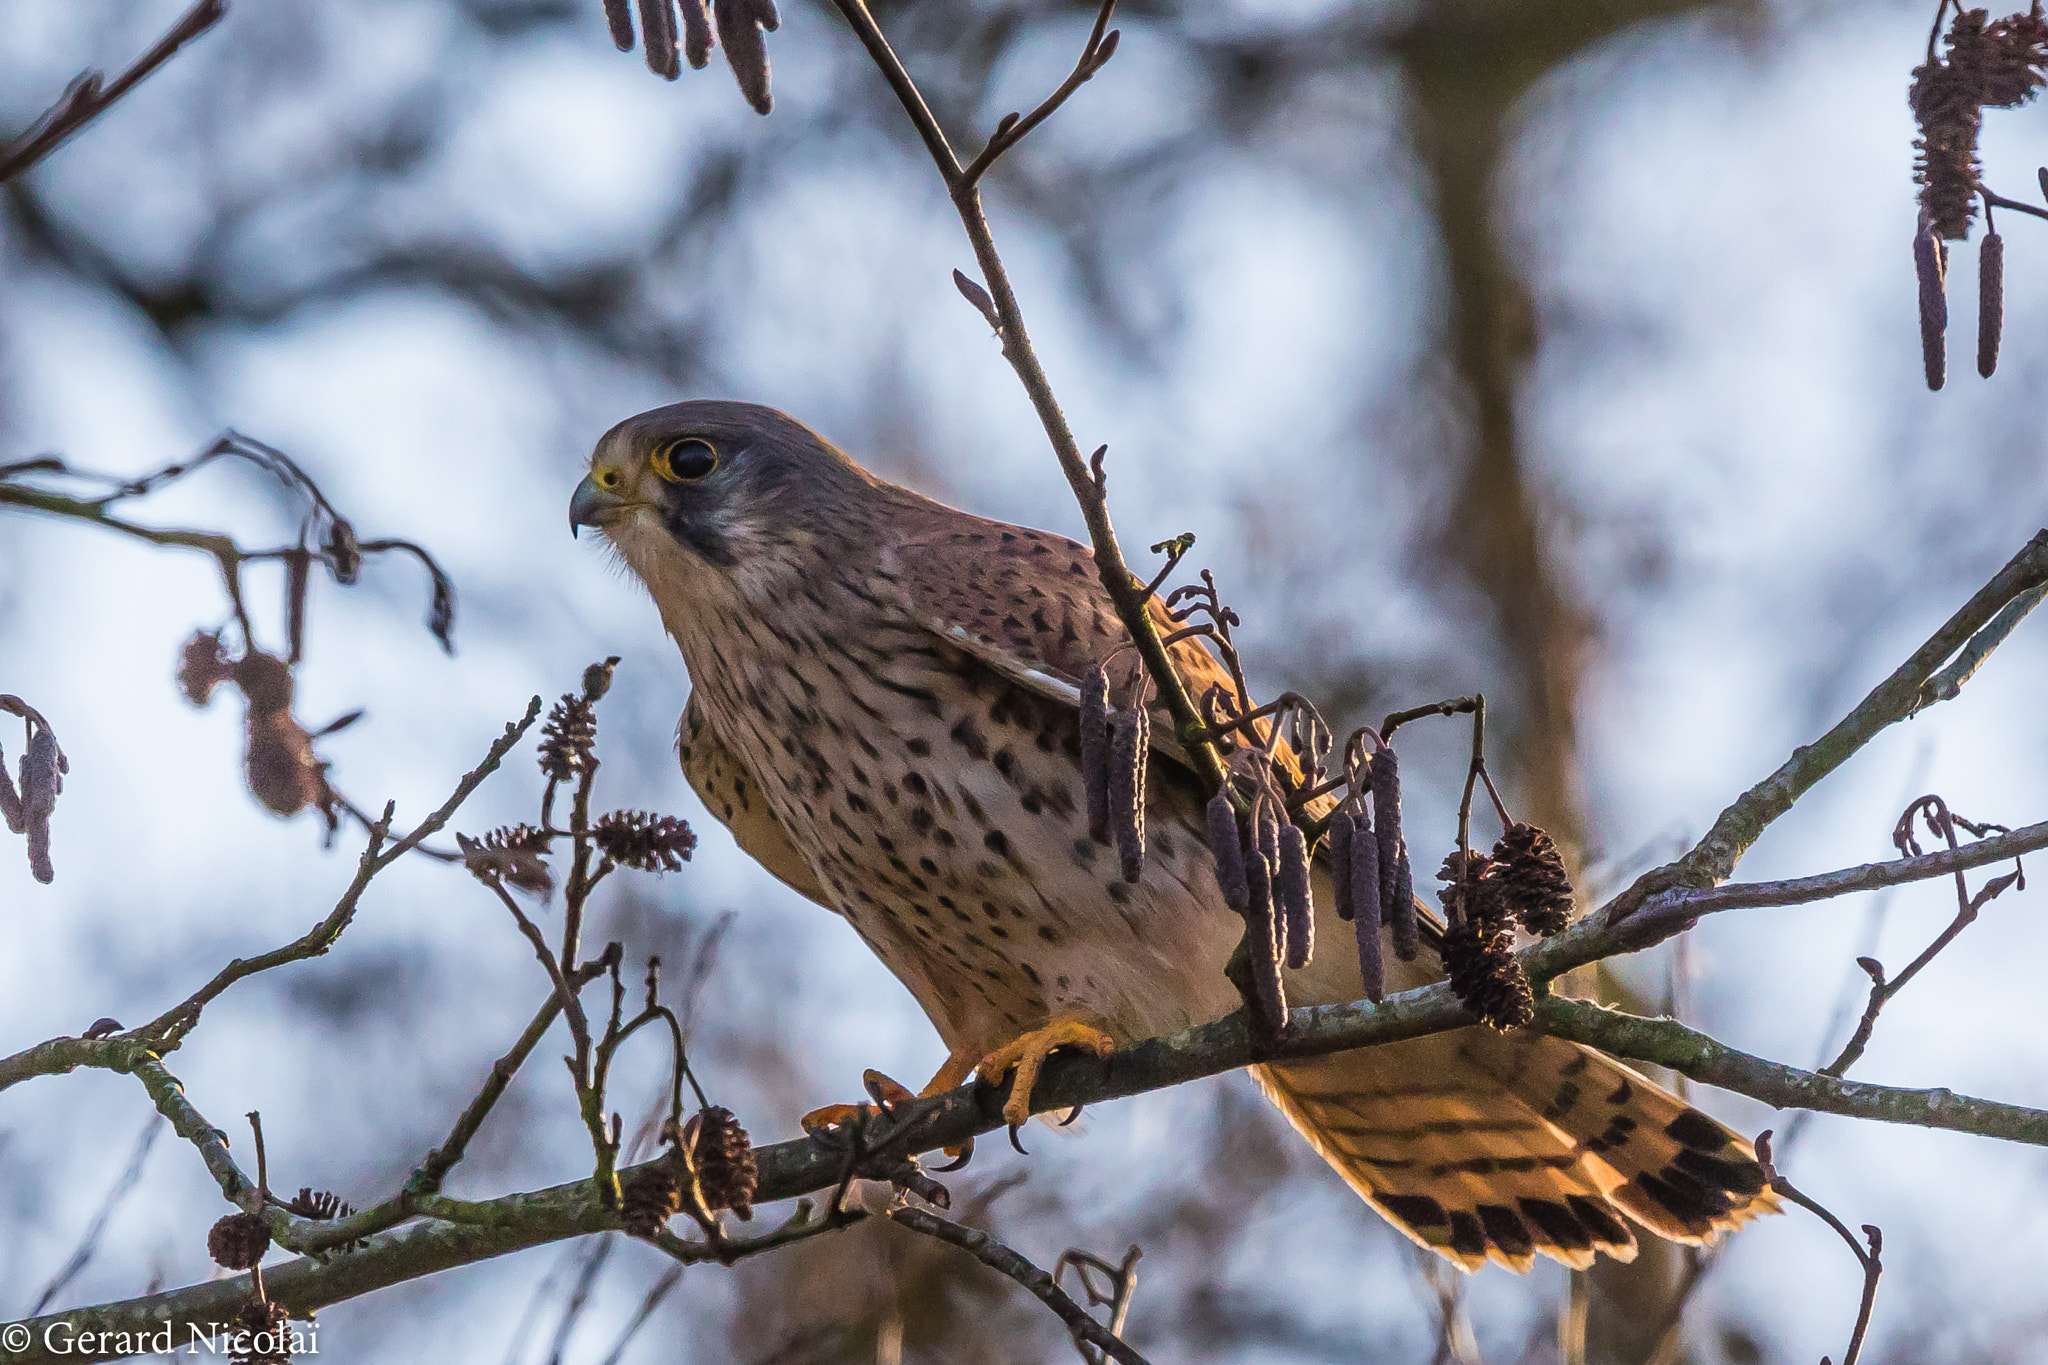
(836, 1120)
(1027, 1054)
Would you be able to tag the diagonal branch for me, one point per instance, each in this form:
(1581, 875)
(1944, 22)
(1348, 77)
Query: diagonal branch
(85, 99)
(1713, 859)
(1126, 592)
(1004, 1261)
(469, 1232)
(1012, 130)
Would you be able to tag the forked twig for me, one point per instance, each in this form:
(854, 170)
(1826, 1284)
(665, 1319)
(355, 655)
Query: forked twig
(1939, 818)
(1004, 1261)
(1013, 128)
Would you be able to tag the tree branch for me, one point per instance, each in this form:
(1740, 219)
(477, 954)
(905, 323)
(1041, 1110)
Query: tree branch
(469, 1232)
(85, 99)
(1713, 859)
(1126, 591)
(1004, 1261)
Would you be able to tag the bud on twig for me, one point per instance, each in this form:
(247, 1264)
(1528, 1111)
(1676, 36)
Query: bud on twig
(344, 555)
(1130, 741)
(1095, 751)
(1990, 301)
(978, 296)
(1226, 845)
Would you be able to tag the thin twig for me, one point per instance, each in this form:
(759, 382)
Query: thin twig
(1123, 1285)
(85, 99)
(1011, 130)
(1456, 706)
(1001, 1259)
(96, 1231)
(1714, 857)
(1873, 1267)
(1124, 590)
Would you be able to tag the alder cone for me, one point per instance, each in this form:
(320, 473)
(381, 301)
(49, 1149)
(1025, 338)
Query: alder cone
(268, 1334)
(649, 1196)
(1531, 883)
(1485, 975)
(238, 1241)
(726, 1171)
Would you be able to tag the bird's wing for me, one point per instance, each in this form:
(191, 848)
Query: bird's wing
(733, 796)
(1029, 604)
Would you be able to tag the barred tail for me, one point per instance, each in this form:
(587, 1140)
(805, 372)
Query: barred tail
(1484, 1147)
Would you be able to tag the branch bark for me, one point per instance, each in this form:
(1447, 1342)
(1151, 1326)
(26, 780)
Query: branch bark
(461, 1233)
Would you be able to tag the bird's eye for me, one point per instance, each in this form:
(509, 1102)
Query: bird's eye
(685, 461)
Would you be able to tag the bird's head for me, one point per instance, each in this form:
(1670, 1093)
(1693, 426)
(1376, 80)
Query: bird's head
(729, 487)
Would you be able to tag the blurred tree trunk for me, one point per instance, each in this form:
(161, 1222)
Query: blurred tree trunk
(1468, 64)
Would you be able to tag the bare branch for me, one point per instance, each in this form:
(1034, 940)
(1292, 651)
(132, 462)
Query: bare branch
(1011, 130)
(1873, 1268)
(1004, 1261)
(1713, 859)
(85, 99)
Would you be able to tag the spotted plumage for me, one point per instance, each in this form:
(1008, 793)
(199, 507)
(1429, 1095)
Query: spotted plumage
(885, 713)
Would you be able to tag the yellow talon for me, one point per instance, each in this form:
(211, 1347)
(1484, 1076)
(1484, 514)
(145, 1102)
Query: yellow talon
(887, 1093)
(1027, 1054)
(832, 1116)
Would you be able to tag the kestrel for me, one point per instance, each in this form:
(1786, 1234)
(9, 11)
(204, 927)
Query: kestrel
(883, 712)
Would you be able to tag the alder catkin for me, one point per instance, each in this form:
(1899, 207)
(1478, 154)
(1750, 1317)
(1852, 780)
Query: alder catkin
(1297, 898)
(1095, 752)
(1365, 901)
(1340, 861)
(1990, 301)
(1266, 837)
(696, 34)
(1227, 846)
(739, 32)
(1269, 993)
(658, 37)
(1397, 879)
(1130, 734)
(620, 22)
(1399, 911)
(42, 769)
(1930, 265)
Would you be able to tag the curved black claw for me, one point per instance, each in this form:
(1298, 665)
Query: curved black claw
(966, 1150)
(1073, 1116)
(1013, 1139)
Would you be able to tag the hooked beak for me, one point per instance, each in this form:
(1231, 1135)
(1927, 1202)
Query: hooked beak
(592, 505)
